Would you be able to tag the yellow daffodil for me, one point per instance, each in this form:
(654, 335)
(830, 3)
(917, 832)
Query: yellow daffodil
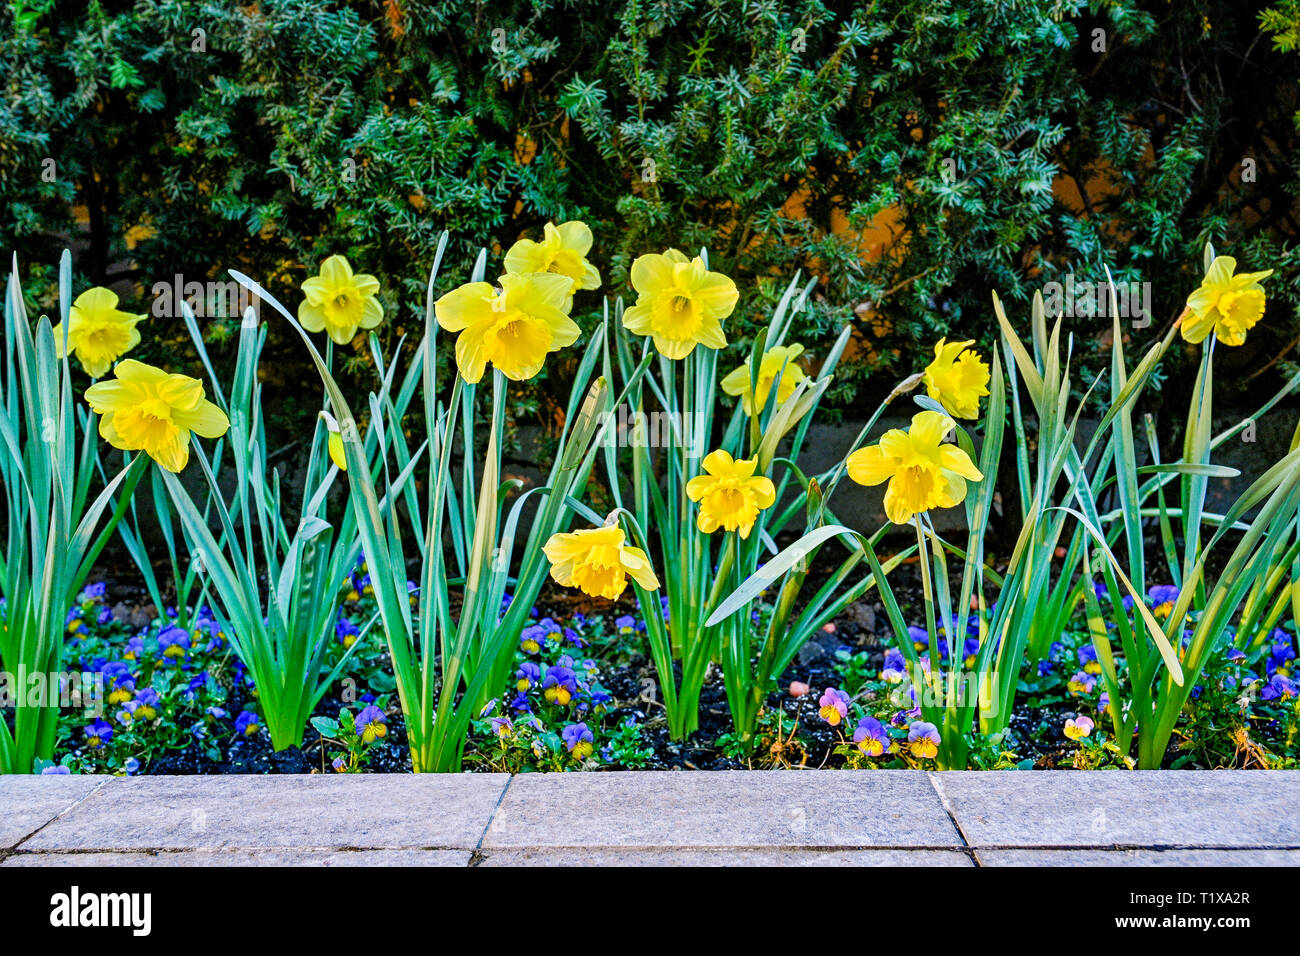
(1227, 305)
(563, 250)
(957, 378)
(513, 328)
(730, 494)
(340, 301)
(335, 441)
(680, 303)
(146, 409)
(99, 333)
(923, 471)
(597, 562)
(776, 361)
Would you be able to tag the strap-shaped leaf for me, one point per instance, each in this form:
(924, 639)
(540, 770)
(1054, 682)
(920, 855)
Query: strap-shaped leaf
(1139, 600)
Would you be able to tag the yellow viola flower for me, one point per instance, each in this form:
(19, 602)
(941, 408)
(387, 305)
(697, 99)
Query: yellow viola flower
(1076, 729)
(340, 301)
(514, 328)
(730, 494)
(597, 562)
(778, 360)
(146, 409)
(680, 303)
(1227, 305)
(957, 378)
(923, 471)
(99, 333)
(563, 251)
(335, 442)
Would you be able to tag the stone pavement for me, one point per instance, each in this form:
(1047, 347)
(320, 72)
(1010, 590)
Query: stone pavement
(873, 817)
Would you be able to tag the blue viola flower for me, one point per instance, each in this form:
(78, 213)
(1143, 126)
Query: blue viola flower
(532, 639)
(1162, 598)
(99, 733)
(528, 674)
(579, 739)
(1280, 654)
(247, 724)
(1279, 687)
(559, 685)
(371, 724)
(895, 666)
(147, 702)
(871, 737)
(120, 682)
(920, 637)
(173, 642)
(923, 739)
(347, 632)
(1082, 683)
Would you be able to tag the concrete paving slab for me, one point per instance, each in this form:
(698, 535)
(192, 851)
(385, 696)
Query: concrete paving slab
(361, 811)
(632, 857)
(1157, 808)
(28, 803)
(830, 808)
(186, 858)
(1140, 857)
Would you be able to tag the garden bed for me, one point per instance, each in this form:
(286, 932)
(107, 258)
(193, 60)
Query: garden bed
(629, 730)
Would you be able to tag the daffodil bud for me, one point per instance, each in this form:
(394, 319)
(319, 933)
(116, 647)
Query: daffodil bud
(335, 443)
